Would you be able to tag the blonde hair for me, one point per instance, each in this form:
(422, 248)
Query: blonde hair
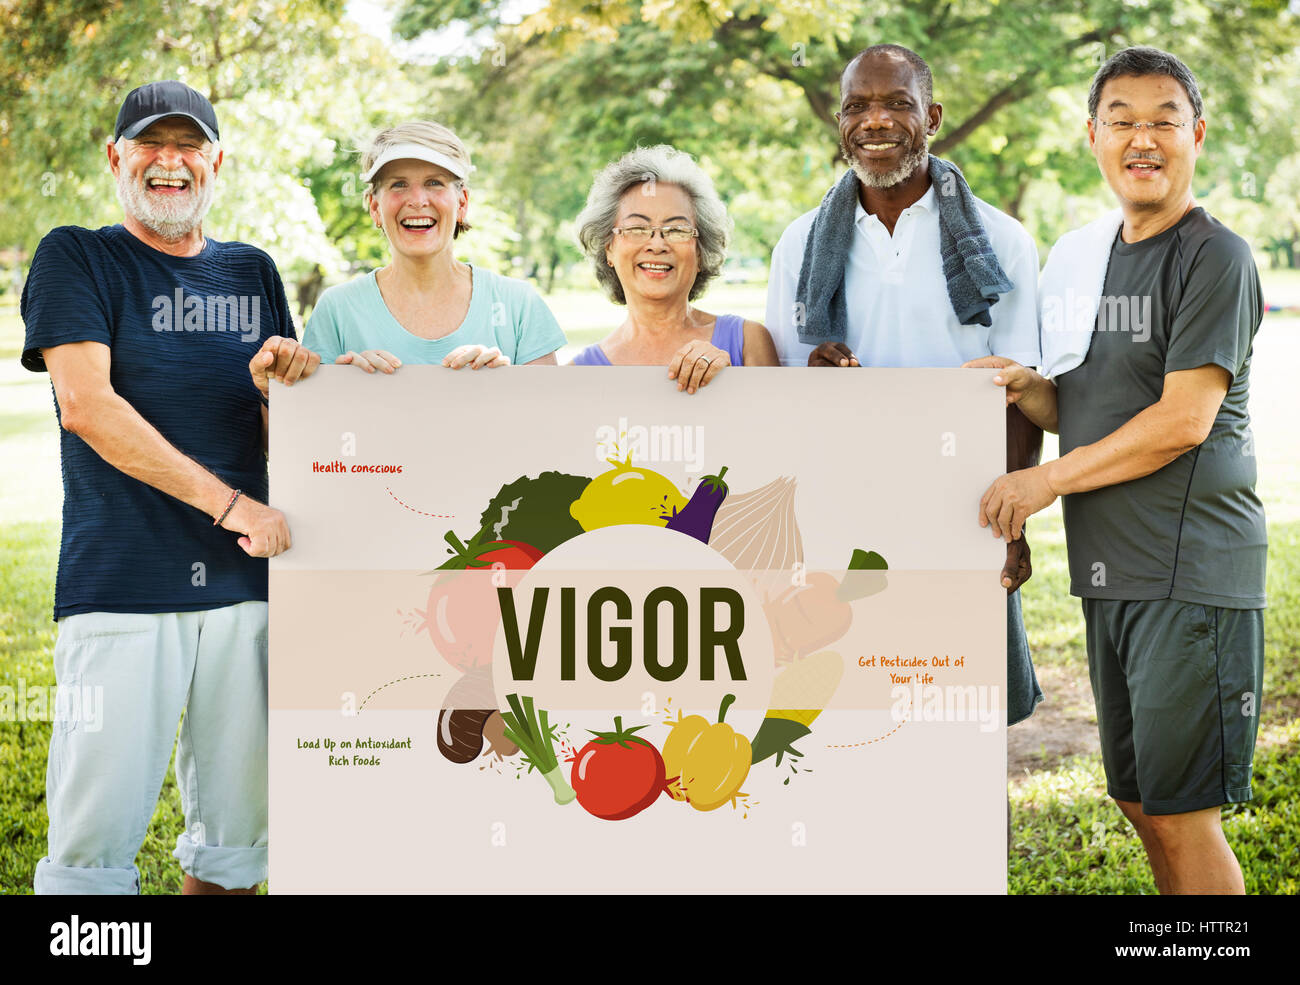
(426, 133)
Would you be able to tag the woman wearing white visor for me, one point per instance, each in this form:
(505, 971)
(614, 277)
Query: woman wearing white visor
(425, 306)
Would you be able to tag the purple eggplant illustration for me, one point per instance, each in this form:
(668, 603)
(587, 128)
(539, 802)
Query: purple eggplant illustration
(696, 517)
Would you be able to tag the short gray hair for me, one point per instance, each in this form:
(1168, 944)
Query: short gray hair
(663, 165)
(1141, 61)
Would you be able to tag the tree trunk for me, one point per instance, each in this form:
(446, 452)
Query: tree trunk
(309, 288)
(551, 267)
(1013, 206)
(521, 226)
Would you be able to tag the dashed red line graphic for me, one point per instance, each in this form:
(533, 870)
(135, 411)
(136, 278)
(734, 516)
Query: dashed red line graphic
(436, 516)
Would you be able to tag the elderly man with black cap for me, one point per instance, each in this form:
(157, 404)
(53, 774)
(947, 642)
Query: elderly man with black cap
(147, 330)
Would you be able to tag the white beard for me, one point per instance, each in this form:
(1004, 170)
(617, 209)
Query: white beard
(170, 221)
(889, 179)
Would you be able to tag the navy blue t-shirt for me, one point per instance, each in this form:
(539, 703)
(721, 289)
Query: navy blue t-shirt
(182, 331)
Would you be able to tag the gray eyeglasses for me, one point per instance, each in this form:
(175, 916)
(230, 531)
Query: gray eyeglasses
(670, 234)
(1121, 127)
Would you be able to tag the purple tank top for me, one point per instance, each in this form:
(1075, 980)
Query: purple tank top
(728, 335)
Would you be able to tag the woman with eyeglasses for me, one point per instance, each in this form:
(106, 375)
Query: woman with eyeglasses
(656, 233)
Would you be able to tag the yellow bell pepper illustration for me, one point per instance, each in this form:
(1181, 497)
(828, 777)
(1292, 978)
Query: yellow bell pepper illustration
(709, 762)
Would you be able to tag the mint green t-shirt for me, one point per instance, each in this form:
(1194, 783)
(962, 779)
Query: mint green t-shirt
(503, 312)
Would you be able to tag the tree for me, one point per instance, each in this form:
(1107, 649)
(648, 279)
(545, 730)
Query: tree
(542, 119)
(1283, 194)
(1012, 75)
(293, 84)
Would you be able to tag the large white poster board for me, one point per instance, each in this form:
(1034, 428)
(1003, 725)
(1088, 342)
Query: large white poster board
(531, 636)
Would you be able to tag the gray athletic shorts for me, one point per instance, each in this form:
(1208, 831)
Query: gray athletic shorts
(1178, 689)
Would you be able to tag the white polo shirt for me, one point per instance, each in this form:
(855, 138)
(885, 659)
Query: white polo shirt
(897, 296)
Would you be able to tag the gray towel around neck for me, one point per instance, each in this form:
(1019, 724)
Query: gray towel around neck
(971, 268)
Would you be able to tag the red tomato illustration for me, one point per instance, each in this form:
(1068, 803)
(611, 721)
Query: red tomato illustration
(618, 774)
(463, 613)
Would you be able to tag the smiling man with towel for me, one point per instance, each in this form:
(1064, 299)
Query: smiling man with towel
(1149, 314)
(901, 265)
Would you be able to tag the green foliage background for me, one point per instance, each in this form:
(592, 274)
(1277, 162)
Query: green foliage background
(546, 93)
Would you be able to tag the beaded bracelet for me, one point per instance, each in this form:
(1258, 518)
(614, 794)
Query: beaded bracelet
(229, 506)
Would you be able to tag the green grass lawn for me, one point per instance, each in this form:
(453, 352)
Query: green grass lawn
(30, 551)
(1068, 838)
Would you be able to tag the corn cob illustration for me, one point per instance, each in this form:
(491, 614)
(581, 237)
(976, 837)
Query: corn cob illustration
(799, 694)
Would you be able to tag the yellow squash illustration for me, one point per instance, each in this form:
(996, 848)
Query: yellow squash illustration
(710, 761)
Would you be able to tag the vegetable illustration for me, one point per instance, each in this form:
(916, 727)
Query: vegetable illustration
(697, 517)
(513, 554)
(462, 613)
(807, 617)
(804, 618)
(460, 733)
(706, 763)
(864, 577)
(758, 530)
(529, 730)
(465, 711)
(494, 731)
(461, 618)
(799, 694)
(535, 510)
(627, 494)
(618, 774)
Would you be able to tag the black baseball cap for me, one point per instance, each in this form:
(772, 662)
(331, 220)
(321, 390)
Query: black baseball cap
(155, 100)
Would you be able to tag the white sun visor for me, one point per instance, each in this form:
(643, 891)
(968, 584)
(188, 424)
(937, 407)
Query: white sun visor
(418, 152)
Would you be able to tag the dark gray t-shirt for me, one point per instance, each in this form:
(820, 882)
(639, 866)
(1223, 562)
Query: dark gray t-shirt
(1194, 530)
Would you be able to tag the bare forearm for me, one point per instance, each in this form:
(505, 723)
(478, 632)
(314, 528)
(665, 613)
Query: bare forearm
(1039, 404)
(129, 443)
(1024, 440)
(1147, 443)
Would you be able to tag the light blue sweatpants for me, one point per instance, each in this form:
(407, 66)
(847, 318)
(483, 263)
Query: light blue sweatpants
(133, 674)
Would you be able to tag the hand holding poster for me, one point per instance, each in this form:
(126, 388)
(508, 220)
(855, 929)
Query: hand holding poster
(776, 661)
